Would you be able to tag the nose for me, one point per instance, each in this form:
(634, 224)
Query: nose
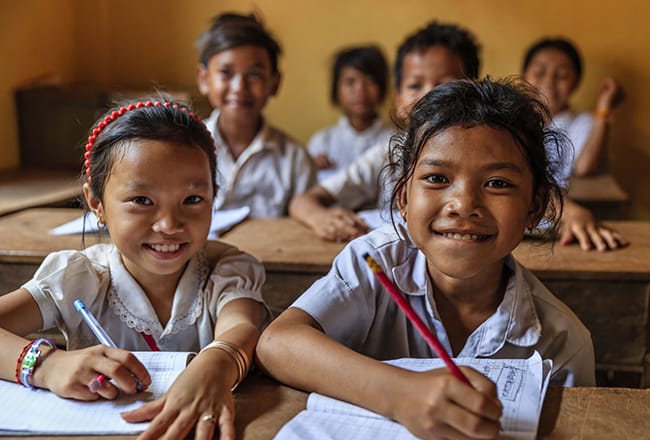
(168, 223)
(237, 82)
(463, 202)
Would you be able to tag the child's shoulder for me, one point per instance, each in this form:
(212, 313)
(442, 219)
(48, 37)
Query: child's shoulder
(278, 138)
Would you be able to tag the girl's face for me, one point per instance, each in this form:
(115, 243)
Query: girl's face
(468, 201)
(551, 72)
(239, 82)
(357, 93)
(157, 207)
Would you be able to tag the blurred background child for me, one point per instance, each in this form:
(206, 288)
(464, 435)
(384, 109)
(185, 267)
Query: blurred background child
(259, 165)
(554, 68)
(359, 83)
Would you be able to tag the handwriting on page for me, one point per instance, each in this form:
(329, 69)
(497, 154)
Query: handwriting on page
(521, 384)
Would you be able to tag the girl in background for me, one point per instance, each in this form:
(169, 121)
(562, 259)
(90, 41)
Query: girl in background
(359, 82)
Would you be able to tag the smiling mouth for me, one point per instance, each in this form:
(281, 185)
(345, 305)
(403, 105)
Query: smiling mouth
(463, 237)
(165, 248)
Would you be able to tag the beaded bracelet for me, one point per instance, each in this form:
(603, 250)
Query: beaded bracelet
(19, 361)
(238, 355)
(31, 357)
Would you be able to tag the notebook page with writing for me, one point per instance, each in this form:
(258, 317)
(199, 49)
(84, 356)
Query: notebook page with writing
(521, 384)
(29, 412)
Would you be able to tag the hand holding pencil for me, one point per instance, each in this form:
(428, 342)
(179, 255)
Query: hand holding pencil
(451, 407)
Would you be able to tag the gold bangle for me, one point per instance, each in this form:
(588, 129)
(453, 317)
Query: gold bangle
(236, 353)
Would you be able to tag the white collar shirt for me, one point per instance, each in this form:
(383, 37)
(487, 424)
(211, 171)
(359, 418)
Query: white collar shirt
(265, 176)
(98, 277)
(353, 308)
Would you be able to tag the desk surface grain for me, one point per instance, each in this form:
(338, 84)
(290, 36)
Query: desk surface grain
(20, 189)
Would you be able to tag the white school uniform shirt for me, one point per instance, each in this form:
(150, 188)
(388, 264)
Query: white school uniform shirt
(577, 128)
(353, 308)
(342, 143)
(266, 175)
(362, 183)
(97, 276)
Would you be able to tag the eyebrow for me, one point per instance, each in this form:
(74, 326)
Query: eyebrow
(491, 166)
(140, 186)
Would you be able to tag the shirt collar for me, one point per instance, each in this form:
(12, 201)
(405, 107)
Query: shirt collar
(129, 301)
(262, 140)
(515, 320)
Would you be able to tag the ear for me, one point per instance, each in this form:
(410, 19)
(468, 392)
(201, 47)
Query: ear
(94, 203)
(402, 201)
(277, 80)
(202, 79)
(537, 210)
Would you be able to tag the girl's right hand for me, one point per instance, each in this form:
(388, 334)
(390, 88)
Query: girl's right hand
(340, 224)
(323, 162)
(436, 405)
(68, 373)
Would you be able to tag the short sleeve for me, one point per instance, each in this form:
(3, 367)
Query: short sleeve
(578, 132)
(235, 275)
(342, 302)
(304, 171)
(358, 184)
(317, 144)
(63, 277)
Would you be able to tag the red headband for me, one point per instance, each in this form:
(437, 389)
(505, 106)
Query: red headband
(117, 113)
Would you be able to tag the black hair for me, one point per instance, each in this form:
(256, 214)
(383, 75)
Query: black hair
(174, 123)
(508, 105)
(561, 44)
(368, 60)
(230, 30)
(456, 40)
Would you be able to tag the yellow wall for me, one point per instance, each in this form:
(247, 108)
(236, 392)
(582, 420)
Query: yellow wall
(138, 44)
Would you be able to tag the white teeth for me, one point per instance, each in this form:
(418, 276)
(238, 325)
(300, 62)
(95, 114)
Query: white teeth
(464, 237)
(165, 247)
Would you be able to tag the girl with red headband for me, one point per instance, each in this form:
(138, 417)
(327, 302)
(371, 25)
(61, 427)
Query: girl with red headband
(148, 176)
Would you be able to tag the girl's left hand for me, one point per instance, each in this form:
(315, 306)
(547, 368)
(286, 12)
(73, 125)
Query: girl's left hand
(577, 223)
(198, 393)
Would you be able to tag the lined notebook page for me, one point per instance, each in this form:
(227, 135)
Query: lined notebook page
(24, 411)
(521, 384)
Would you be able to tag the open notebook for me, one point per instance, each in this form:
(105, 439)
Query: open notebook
(40, 412)
(521, 384)
(222, 220)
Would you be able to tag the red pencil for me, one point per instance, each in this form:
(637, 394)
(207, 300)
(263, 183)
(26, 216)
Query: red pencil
(415, 319)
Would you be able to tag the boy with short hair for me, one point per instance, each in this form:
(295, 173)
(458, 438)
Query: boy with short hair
(259, 166)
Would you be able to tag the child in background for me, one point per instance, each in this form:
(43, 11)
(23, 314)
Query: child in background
(259, 165)
(553, 67)
(472, 174)
(150, 180)
(359, 81)
(434, 54)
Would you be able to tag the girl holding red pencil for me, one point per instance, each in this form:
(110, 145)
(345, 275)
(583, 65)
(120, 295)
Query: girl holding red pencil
(471, 174)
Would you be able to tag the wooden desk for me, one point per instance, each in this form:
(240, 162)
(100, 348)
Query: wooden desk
(20, 189)
(609, 291)
(262, 407)
(601, 193)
